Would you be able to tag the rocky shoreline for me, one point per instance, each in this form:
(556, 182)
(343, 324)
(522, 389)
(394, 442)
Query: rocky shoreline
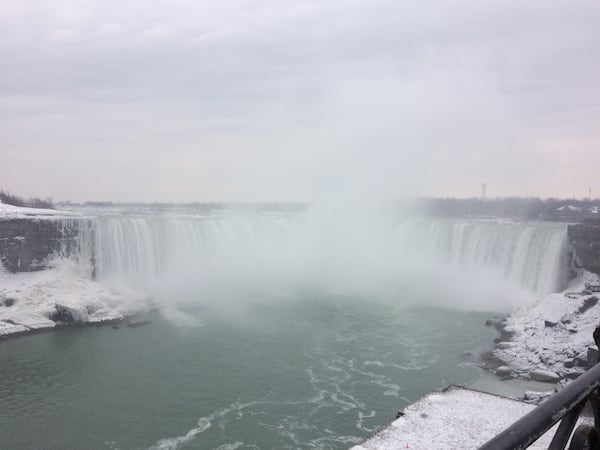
(551, 340)
(133, 321)
(59, 326)
(61, 296)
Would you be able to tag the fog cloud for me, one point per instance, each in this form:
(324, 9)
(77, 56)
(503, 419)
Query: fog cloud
(264, 100)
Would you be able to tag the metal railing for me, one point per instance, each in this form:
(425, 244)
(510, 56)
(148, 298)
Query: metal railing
(564, 406)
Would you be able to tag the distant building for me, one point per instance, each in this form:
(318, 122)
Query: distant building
(571, 213)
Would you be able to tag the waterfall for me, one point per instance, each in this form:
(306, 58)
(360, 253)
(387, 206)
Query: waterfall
(134, 247)
(531, 255)
(142, 246)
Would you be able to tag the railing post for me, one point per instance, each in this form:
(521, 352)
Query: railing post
(594, 398)
(563, 433)
(584, 436)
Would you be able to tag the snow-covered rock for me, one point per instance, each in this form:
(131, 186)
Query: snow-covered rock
(73, 312)
(7, 329)
(504, 345)
(503, 371)
(536, 396)
(561, 348)
(32, 321)
(544, 375)
(62, 294)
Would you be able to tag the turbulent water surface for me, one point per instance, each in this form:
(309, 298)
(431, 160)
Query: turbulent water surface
(275, 329)
(318, 373)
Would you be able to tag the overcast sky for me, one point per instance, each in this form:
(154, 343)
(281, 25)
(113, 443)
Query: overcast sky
(205, 100)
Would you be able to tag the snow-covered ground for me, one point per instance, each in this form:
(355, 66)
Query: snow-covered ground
(18, 212)
(455, 419)
(551, 338)
(31, 301)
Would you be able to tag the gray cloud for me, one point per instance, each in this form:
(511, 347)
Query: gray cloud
(269, 100)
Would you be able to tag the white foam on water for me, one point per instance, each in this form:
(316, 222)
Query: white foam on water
(231, 446)
(374, 363)
(204, 423)
(361, 418)
(415, 364)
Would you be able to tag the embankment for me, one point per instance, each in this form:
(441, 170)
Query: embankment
(584, 239)
(27, 244)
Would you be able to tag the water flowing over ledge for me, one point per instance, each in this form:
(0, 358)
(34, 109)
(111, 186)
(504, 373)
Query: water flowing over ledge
(147, 243)
(489, 265)
(533, 256)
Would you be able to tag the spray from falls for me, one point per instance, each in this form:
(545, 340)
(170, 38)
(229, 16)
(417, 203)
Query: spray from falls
(279, 252)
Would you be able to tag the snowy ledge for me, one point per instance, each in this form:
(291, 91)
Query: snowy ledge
(17, 212)
(63, 295)
(550, 340)
(454, 418)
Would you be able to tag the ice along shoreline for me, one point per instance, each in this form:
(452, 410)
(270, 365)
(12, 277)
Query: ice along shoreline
(63, 295)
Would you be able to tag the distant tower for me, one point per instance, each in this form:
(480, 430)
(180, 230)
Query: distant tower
(483, 191)
(590, 194)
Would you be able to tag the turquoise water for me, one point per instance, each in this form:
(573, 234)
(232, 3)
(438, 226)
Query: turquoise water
(310, 373)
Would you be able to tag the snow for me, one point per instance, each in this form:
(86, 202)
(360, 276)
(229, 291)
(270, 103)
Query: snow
(544, 375)
(31, 321)
(37, 296)
(555, 331)
(454, 418)
(78, 311)
(8, 328)
(18, 212)
(568, 208)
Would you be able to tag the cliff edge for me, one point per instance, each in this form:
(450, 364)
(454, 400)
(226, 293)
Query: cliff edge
(585, 241)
